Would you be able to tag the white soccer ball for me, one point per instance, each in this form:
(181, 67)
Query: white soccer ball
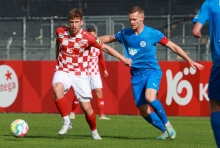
(19, 128)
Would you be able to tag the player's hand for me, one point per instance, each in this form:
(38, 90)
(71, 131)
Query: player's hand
(105, 73)
(128, 62)
(196, 65)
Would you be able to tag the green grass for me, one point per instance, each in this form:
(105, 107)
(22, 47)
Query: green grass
(119, 132)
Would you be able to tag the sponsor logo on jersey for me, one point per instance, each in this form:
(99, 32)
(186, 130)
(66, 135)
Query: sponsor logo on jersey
(142, 43)
(69, 50)
(8, 86)
(132, 51)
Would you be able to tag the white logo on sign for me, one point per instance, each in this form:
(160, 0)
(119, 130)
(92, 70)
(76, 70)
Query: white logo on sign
(8, 86)
(175, 87)
(142, 43)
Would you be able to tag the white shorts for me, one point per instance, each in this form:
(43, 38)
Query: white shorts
(80, 84)
(95, 81)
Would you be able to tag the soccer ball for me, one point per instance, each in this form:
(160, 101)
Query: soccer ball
(19, 128)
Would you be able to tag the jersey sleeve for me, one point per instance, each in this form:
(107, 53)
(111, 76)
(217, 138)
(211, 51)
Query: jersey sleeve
(164, 41)
(94, 42)
(58, 31)
(203, 14)
(102, 60)
(119, 36)
(156, 37)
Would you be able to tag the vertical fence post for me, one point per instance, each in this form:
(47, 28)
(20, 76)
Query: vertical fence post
(52, 53)
(168, 35)
(183, 39)
(8, 47)
(24, 39)
(199, 49)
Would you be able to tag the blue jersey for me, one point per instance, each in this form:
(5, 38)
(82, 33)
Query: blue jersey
(140, 48)
(210, 11)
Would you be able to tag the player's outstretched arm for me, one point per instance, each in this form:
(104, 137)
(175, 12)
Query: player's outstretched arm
(102, 62)
(116, 54)
(196, 31)
(179, 51)
(107, 38)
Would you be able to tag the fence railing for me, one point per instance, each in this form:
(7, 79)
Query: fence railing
(34, 38)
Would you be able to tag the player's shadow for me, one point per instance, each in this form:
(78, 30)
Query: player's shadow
(68, 136)
(56, 137)
(114, 137)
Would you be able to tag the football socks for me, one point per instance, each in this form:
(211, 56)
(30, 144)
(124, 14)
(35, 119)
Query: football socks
(158, 108)
(153, 119)
(100, 105)
(215, 123)
(91, 120)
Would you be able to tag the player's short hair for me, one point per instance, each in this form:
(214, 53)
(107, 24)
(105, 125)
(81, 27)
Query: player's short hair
(75, 13)
(91, 30)
(136, 9)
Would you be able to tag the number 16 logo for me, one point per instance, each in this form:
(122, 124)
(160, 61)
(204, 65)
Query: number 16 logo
(175, 87)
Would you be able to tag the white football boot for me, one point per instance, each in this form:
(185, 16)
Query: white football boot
(65, 128)
(95, 135)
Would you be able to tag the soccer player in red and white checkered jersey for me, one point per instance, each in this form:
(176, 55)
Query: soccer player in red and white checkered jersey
(95, 55)
(73, 44)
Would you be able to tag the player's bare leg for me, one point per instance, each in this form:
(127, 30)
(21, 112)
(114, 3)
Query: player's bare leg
(62, 106)
(90, 118)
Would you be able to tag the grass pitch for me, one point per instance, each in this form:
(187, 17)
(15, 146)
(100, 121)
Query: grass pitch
(119, 132)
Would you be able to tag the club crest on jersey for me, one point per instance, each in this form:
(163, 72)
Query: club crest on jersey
(82, 43)
(97, 41)
(142, 43)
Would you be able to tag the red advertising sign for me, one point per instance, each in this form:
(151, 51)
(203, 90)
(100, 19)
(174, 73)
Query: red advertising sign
(26, 86)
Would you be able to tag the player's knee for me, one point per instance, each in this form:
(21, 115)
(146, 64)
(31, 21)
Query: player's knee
(215, 105)
(144, 110)
(86, 108)
(99, 93)
(58, 90)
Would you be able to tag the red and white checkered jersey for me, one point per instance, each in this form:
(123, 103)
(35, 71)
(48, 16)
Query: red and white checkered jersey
(95, 56)
(74, 50)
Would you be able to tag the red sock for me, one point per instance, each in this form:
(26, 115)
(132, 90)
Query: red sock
(91, 120)
(100, 104)
(75, 104)
(62, 106)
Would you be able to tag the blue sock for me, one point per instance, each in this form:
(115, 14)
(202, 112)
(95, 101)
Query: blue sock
(158, 108)
(215, 123)
(155, 121)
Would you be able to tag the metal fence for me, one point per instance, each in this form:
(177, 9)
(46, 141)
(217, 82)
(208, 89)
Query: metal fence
(34, 38)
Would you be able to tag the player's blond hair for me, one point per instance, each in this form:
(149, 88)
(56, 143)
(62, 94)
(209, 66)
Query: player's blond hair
(75, 13)
(136, 9)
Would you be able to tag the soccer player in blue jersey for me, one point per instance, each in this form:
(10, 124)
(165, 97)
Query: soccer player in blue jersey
(139, 43)
(210, 12)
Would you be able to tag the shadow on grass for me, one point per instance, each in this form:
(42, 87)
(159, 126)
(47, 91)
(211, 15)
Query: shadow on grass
(68, 136)
(114, 137)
